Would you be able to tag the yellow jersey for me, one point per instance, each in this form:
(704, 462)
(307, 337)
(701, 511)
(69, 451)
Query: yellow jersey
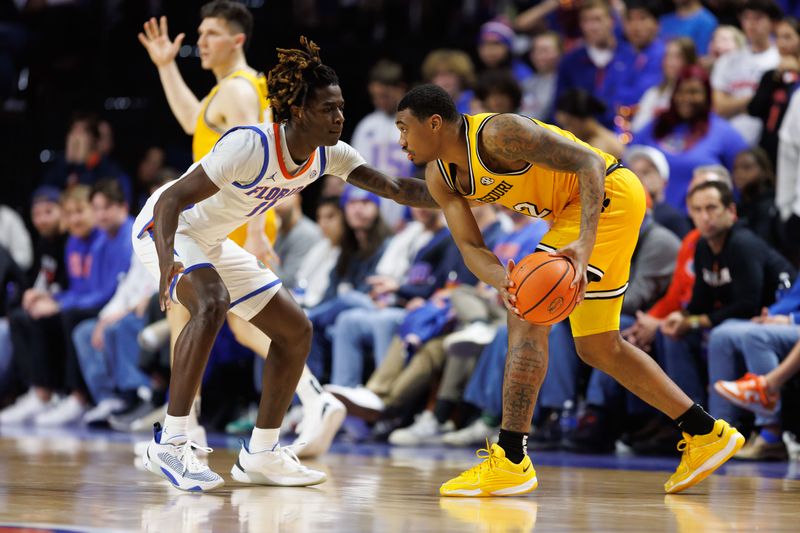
(533, 191)
(206, 136)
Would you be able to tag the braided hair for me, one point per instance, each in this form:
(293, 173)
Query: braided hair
(297, 74)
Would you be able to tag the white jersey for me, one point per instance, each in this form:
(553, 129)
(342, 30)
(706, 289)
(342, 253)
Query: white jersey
(254, 171)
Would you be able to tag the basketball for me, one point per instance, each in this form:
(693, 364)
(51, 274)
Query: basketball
(542, 286)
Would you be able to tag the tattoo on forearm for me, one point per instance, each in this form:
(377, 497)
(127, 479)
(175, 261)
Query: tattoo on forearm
(525, 370)
(408, 191)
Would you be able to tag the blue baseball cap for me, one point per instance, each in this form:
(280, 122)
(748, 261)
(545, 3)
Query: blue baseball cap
(46, 193)
(354, 194)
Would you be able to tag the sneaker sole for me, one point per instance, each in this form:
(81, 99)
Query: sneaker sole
(734, 444)
(191, 485)
(332, 421)
(524, 488)
(722, 391)
(364, 413)
(257, 479)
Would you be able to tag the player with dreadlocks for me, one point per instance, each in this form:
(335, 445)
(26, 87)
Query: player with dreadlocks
(181, 236)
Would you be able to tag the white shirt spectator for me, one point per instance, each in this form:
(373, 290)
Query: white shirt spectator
(137, 285)
(654, 102)
(314, 274)
(738, 74)
(14, 237)
(787, 191)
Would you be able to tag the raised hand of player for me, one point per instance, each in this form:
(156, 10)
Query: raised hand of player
(156, 41)
(507, 290)
(168, 271)
(578, 253)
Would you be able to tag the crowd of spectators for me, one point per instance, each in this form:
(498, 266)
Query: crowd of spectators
(699, 100)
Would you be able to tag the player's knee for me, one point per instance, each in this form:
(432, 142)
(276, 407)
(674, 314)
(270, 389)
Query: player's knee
(595, 350)
(214, 307)
(297, 337)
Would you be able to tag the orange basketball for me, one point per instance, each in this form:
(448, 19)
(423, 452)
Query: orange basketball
(542, 285)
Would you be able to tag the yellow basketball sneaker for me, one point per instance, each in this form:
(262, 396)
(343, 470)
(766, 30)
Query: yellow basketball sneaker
(495, 476)
(702, 454)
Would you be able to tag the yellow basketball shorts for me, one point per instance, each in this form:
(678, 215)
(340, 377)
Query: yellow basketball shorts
(610, 262)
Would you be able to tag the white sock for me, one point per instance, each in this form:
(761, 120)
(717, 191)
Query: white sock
(264, 439)
(308, 388)
(175, 426)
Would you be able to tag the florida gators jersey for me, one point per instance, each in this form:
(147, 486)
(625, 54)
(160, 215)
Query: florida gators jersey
(533, 191)
(252, 167)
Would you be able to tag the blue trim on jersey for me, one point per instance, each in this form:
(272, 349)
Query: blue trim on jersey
(144, 229)
(323, 160)
(264, 143)
(175, 279)
(256, 292)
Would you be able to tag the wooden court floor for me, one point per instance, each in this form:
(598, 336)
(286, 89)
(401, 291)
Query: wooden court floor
(69, 484)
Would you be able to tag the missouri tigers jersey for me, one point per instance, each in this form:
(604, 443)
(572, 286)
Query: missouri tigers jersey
(533, 191)
(253, 170)
(207, 134)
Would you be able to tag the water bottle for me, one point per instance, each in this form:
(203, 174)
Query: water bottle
(784, 284)
(569, 418)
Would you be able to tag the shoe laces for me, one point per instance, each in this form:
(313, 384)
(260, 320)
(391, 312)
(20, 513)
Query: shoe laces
(189, 460)
(490, 460)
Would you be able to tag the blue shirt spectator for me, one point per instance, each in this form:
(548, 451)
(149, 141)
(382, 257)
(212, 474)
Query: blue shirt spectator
(691, 20)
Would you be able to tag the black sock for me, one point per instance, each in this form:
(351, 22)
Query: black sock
(514, 444)
(695, 421)
(443, 409)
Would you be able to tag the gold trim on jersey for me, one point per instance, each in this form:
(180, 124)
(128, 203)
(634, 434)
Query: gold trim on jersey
(478, 151)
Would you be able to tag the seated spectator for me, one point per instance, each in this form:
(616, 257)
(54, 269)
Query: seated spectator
(759, 389)
(690, 135)
(47, 273)
(362, 331)
(497, 92)
(754, 347)
(679, 54)
(641, 69)
(736, 76)
(363, 244)
(726, 39)
(690, 19)
(107, 348)
(496, 50)
(453, 71)
(737, 274)
(753, 177)
(82, 161)
(771, 98)
(314, 273)
(375, 136)
(787, 193)
(643, 332)
(96, 258)
(539, 90)
(578, 111)
(652, 168)
(589, 67)
(14, 237)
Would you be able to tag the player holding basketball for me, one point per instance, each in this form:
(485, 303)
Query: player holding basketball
(595, 207)
(181, 236)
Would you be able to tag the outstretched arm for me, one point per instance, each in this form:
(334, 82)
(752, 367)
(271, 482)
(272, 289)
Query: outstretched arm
(406, 191)
(182, 101)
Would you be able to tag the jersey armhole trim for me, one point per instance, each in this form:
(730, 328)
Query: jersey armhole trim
(264, 144)
(446, 177)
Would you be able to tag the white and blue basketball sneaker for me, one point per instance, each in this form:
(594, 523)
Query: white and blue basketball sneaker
(175, 460)
(279, 466)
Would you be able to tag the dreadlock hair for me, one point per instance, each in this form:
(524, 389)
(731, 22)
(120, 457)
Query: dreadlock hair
(297, 74)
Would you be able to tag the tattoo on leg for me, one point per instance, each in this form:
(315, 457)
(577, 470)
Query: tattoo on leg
(525, 370)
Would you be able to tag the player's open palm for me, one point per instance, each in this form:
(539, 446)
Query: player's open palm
(156, 41)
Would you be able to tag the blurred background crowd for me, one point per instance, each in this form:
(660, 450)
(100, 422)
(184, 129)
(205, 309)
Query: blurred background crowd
(696, 98)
